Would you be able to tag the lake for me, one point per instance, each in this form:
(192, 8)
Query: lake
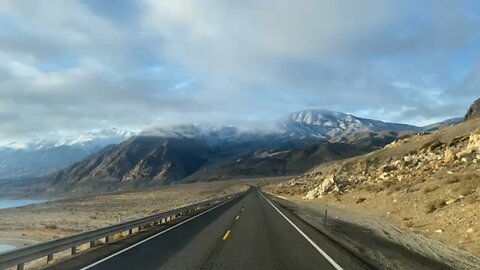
(5, 248)
(17, 202)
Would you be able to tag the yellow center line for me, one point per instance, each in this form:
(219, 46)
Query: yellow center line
(227, 234)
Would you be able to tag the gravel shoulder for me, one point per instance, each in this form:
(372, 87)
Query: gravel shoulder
(377, 241)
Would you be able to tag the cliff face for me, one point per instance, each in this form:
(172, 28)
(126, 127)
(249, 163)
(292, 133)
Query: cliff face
(474, 111)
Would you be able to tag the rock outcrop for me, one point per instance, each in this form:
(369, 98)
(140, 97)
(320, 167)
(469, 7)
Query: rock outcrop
(474, 111)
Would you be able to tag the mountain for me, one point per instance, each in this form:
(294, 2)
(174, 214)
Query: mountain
(191, 153)
(330, 125)
(445, 123)
(474, 111)
(39, 157)
(429, 181)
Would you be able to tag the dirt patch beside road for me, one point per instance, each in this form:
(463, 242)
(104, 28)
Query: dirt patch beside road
(41, 222)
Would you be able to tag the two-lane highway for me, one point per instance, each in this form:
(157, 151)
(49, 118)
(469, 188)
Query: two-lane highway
(250, 232)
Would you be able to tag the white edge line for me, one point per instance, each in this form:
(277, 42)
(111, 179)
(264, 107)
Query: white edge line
(151, 237)
(324, 254)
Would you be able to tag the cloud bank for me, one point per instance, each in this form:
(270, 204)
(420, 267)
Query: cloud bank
(72, 66)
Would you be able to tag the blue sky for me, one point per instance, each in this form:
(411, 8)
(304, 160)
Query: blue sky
(73, 66)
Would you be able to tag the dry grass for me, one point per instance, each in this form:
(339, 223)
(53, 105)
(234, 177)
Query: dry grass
(452, 180)
(374, 188)
(434, 205)
(464, 190)
(397, 187)
(429, 189)
(361, 200)
(471, 199)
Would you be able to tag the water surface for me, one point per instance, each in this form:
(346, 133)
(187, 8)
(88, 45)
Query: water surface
(9, 203)
(5, 248)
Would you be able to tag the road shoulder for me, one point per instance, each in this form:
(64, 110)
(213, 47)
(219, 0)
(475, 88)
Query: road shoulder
(388, 246)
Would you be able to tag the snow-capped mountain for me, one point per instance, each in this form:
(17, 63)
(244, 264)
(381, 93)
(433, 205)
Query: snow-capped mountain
(313, 124)
(39, 157)
(328, 125)
(290, 145)
(93, 139)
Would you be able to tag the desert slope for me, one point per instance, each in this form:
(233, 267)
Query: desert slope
(429, 184)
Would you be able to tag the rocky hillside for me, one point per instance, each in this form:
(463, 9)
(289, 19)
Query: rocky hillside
(192, 153)
(428, 183)
(474, 111)
(153, 160)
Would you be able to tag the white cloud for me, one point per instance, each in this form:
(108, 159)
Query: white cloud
(66, 68)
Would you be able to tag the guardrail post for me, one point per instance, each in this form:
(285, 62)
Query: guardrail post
(74, 250)
(107, 239)
(92, 244)
(49, 258)
(130, 231)
(20, 266)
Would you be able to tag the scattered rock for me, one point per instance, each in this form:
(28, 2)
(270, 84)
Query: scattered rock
(449, 156)
(313, 194)
(474, 141)
(450, 201)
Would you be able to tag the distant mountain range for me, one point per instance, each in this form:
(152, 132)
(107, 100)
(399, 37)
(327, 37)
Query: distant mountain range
(39, 157)
(439, 125)
(116, 159)
(190, 153)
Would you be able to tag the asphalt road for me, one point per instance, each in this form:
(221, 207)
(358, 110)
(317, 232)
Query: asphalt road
(250, 232)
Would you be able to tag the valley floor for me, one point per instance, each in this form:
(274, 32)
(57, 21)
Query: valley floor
(46, 221)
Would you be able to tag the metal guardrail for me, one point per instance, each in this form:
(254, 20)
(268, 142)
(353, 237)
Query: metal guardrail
(48, 249)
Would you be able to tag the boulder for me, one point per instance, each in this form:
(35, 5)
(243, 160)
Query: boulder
(449, 156)
(465, 154)
(474, 141)
(329, 184)
(312, 194)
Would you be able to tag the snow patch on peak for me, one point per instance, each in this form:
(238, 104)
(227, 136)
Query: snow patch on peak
(97, 138)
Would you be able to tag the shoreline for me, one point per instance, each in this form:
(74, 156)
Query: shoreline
(17, 242)
(15, 203)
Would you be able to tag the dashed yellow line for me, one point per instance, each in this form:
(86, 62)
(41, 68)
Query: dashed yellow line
(227, 234)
